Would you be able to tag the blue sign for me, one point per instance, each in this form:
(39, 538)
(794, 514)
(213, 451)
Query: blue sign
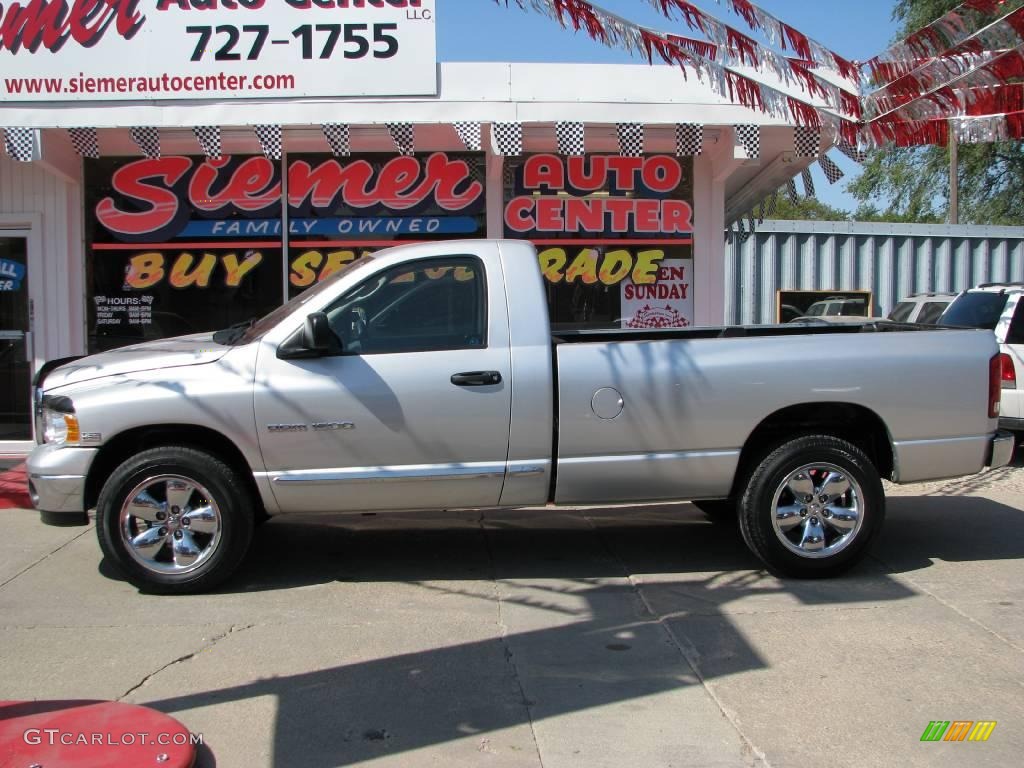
(346, 226)
(11, 275)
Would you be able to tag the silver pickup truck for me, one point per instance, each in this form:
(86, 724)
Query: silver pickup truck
(428, 377)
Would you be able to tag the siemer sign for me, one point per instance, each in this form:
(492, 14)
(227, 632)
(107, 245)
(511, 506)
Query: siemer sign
(98, 50)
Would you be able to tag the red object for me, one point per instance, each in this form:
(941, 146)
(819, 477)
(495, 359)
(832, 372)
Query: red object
(994, 386)
(91, 734)
(1009, 375)
(14, 488)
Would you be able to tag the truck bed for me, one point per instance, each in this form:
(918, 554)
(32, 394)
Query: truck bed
(585, 335)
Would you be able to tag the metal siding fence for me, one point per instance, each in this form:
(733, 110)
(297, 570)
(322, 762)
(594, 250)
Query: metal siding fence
(890, 260)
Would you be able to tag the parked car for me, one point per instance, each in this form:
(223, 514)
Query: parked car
(427, 377)
(837, 306)
(923, 308)
(998, 308)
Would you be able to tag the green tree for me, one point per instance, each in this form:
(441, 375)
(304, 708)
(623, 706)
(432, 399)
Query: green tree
(807, 209)
(912, 184)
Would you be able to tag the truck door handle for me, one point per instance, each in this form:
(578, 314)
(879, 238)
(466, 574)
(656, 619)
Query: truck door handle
(476, 378)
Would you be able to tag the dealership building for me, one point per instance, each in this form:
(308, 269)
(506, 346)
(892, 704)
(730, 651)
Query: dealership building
(141, 205)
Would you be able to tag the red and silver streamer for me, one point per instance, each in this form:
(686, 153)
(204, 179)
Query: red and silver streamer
(732, 48)
(787, 37)
(977, 52)
(617, 32)
(941, 35)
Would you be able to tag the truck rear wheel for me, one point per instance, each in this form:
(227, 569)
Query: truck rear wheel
(812, 506)
(175, 520)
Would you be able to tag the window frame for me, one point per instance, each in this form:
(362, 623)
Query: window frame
(420, 265)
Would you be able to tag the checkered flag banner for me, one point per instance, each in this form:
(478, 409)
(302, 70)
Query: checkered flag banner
(85, 141)
(404, 136)
(570, 138)
(771, 203)
(808, 182)
(832, 171)
(791, 191)
(742, 235)
(689, 139)
(20, 143)
(857, 155)
(148, 140)
(469, 134)
(270, 140)
(631, 139)
(508, 138)
(338, 137)
(806, 141)
(749, 136)
(209, 139)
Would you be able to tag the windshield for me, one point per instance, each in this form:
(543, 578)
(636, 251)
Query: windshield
(974, 310)
(246, 332)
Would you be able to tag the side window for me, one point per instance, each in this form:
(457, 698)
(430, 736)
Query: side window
(902, 311)
(930, 312)
(428, 305)
(1016, 333)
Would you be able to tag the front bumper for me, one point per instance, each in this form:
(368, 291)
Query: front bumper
(56, 482)
(1000, 450)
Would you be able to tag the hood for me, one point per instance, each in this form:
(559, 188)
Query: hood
(164, 353)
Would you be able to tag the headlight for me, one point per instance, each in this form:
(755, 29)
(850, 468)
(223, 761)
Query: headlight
(60, 425)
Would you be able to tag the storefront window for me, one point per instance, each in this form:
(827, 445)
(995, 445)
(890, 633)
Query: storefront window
(614, 235)
(340, 209)
(180, 245)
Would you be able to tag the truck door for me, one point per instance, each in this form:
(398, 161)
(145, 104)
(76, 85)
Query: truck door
(413, 410)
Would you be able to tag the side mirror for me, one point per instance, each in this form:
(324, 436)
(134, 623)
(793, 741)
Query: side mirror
(317, 333)
(314, 339)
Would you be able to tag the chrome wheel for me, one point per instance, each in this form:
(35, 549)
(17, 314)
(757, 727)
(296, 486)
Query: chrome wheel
(817, 510)
(170, 524)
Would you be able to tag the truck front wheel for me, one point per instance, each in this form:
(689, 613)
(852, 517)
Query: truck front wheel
(812, 506)
(175, 520)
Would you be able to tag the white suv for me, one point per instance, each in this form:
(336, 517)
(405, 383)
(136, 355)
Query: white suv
(998, 307)
(923, 308)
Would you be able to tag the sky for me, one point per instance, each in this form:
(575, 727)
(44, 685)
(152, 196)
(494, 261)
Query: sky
(482, 30)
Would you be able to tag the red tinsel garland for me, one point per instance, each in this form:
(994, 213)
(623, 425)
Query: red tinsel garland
(745, 46)
(699, 47)
(746, 9)
(581, 15)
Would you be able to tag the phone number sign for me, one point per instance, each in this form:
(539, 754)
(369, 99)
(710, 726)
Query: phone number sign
(97, 50)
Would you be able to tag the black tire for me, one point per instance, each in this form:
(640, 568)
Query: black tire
(756, 507)
(718, 510)
(226, 490)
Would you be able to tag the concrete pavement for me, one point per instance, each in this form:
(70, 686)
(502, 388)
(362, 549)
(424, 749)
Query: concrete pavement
(639, 636)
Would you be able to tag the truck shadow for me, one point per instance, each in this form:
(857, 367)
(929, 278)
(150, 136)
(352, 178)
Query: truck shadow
(617, 604)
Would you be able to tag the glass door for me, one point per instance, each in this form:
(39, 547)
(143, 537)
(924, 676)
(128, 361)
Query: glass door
(15, 340)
